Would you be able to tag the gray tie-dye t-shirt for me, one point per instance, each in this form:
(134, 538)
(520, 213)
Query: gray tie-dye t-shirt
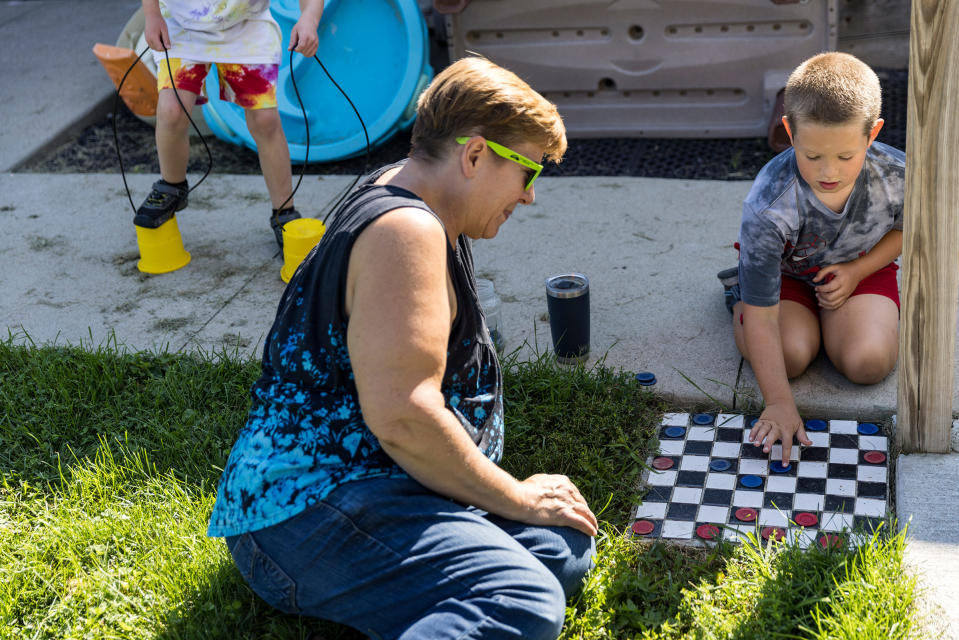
(786, 230)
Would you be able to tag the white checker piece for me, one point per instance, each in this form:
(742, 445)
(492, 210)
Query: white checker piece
(726, 449)
(725, 481)
(844, 456)
(843, 427)
(671, 447)
(694, 463)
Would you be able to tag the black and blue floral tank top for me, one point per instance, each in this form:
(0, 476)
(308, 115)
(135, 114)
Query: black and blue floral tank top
(305, 433)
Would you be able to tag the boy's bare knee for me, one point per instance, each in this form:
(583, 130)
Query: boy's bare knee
(864, 365)
(796, 363)
(170, 117)
(798, 354)
(263, 121)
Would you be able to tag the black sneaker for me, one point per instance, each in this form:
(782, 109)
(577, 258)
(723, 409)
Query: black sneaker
(280, 218)
(164, 200)
(730, 281)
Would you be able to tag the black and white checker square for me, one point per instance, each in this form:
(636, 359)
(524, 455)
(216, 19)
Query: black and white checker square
(842, 479)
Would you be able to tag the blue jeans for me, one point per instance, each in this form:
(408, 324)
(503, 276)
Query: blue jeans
(395, 560)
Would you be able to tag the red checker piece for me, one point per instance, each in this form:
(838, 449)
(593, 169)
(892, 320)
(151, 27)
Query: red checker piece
(874, 457)
(807, 519)
(746, 515)
(643, 527)
(663, 463)
(707, 531)
(830, 541)
(773, 532)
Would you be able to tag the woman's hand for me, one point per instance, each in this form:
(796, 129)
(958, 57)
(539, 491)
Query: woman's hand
(836, 283)
(555, 500)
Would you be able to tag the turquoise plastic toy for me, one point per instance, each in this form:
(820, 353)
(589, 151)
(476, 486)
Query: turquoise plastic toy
(376, 50)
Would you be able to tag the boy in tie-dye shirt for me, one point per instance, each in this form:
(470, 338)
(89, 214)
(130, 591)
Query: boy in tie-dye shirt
(820, 233)
(243, 40)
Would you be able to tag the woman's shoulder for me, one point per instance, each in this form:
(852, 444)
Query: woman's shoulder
(405, 226)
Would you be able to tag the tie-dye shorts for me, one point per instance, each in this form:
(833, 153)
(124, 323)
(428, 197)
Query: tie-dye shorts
(251, 86)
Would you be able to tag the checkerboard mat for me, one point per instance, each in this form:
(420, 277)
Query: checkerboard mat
(839, 479)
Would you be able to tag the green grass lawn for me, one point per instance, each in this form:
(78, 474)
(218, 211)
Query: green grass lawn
(109, 463)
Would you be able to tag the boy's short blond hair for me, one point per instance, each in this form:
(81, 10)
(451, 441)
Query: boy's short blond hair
(833, 88)
(474, 96)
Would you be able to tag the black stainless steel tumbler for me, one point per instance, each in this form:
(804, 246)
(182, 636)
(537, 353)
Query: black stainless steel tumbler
(567, 298)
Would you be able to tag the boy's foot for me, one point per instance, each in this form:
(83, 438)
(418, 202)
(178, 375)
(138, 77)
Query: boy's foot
(164, 200)
(730, 280)
(280, 218)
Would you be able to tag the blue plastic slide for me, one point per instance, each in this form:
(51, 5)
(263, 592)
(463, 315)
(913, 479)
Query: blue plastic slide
(376, 50)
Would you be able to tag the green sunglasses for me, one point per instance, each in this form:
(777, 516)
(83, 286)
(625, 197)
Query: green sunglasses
(533, 169)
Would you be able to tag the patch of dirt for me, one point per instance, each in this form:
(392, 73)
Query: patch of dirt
(123, 258)
(56, 245)
(171, 324)
(126, 307)
(235, 340)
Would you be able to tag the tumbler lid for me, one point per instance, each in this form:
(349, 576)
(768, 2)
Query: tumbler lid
(567, 285)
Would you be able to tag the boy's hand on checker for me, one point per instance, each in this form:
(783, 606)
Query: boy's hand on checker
(779, 422)
(835, 283)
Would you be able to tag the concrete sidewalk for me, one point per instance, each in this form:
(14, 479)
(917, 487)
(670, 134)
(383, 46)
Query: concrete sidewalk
(51, 79)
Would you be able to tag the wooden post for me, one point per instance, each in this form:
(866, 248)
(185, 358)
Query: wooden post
(930, 252)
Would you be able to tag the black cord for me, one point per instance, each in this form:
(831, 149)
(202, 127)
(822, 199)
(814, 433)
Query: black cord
(116, 137)
(306, 123)
(362, 124)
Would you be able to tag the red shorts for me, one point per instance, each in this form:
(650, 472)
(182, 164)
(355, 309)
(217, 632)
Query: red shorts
(882, 282)
(252, 86)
